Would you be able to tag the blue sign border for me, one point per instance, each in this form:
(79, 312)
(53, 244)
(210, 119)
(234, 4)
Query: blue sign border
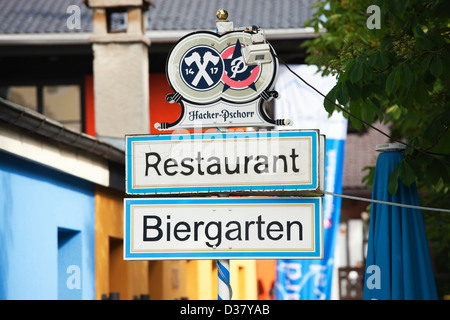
(316, 254)
(314, 185)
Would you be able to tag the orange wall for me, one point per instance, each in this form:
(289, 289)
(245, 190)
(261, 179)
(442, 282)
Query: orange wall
(160, 109)
(266, 275)
(89, 110)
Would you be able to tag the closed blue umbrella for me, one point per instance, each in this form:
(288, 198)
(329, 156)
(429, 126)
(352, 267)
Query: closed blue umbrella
(398, 265)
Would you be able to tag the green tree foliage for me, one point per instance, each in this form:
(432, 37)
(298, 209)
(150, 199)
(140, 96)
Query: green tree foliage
(399, 74)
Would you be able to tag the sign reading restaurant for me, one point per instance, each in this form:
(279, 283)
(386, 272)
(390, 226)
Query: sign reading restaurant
(224, 162)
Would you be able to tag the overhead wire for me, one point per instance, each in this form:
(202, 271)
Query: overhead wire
(378, 130)
(386, 202)
(363, 121)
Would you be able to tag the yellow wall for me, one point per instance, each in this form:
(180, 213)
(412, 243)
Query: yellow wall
(243, 279)
(163, 280)
(197, 280)
(113, 274)
(192, 279)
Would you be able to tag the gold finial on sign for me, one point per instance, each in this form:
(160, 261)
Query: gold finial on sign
(222, 14)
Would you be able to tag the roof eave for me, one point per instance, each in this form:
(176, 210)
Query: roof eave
(45, 38)
(161, 36)
(39, 124)
(155, 36)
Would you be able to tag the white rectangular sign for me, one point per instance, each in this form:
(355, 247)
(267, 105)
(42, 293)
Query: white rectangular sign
(222, 114)
(223, 228)
(268, 161)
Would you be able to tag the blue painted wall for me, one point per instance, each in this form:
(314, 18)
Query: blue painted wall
(47, 233)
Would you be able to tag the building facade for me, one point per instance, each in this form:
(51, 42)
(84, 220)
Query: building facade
(62, 163)
(61, 151)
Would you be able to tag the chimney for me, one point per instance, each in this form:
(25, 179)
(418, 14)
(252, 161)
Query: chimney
(121, 69)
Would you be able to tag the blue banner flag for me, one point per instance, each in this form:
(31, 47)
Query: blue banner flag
(312, 279)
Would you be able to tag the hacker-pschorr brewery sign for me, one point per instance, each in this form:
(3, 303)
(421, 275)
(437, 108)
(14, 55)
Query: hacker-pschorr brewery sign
(214, 84)
(224, 81)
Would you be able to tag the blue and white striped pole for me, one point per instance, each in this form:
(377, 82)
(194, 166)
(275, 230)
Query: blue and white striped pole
(224, 291)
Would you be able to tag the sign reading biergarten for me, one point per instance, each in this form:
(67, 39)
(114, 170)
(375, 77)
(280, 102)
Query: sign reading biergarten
(215, 86)
(223, 228)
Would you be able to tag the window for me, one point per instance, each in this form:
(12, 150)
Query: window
(69, 264)
(24, 95)
(117, 21)
(60, 102)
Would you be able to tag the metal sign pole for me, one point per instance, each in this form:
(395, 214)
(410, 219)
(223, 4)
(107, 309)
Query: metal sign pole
(224, 291)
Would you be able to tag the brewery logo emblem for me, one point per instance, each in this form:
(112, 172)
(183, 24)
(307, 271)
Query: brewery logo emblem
(201, 68)
(213, 84)
(238, 75)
